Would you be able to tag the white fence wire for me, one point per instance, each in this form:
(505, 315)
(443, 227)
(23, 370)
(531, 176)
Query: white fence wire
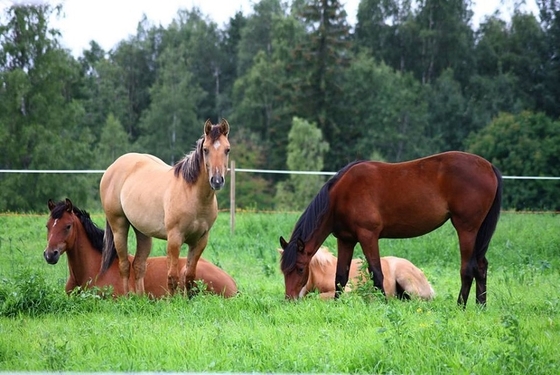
(242, 170)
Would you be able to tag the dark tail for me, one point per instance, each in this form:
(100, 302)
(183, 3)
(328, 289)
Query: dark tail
(488, 226)
(109, 253)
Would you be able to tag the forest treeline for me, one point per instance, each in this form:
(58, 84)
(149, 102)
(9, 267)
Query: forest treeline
(300, 87)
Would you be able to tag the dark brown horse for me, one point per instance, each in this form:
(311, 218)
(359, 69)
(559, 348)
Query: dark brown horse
(366, 201)
(71, 231)
(174, 203)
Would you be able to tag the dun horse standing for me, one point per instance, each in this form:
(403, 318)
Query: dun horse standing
(174, 203)
(70, 230)
(366, 201)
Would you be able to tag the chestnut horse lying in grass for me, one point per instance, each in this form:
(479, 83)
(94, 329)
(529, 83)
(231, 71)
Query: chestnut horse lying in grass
(71, 231)
(402, 279)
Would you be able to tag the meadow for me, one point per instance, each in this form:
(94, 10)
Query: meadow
(43, 329)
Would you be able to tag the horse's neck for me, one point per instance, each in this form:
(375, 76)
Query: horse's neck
(84, 261)
(319, 236)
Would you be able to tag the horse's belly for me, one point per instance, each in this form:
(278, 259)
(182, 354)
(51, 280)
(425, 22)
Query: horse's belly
(412, 228)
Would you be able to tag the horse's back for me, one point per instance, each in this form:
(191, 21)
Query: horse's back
(217, 280)
(412, 198)
(134, 185)
(131, 166)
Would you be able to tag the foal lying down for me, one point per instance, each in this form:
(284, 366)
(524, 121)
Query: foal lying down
(70, 230)
(401, 278)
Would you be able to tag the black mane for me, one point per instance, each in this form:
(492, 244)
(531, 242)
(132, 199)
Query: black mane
(310, 219)
(189, 166)
(93, 232)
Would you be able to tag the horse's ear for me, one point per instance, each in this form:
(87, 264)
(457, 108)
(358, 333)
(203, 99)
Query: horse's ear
(300, 245)
(281, 251)
(51, 205)
(224, 127)
(69, 205)
(283, 243)
(207, 127)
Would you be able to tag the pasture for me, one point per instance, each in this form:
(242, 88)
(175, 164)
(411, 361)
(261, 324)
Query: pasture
(41, 329)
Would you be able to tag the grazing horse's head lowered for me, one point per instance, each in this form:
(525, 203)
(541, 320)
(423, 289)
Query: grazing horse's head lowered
(215, 146)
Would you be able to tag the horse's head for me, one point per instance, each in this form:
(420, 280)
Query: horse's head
(215, 152)
(60, 233)
(295, 266)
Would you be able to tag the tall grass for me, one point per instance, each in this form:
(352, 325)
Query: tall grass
(42, 329)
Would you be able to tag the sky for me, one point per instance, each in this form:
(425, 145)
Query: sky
(110, 21)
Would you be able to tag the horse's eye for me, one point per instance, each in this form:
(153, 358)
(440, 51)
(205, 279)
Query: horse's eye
(227, 151)
(299, 271)
(205, 151)
(68, 226)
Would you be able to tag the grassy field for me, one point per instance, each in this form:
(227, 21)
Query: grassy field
(41, 329)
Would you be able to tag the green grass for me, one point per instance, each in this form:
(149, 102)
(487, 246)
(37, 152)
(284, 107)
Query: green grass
(41, 329)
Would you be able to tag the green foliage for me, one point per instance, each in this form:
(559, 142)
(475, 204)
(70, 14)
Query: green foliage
(306, 150)
(248, 152)
(112, 143)
(318, 66)
(523, 145)
(29, 294)
(411, 79)
(385, 112)
(169, 127)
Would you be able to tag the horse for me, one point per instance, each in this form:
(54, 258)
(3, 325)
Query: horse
(177, 204)
(70, 230)
(401, 278)
(369, 200)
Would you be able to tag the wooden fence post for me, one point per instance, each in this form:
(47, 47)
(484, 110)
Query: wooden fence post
(232, 198)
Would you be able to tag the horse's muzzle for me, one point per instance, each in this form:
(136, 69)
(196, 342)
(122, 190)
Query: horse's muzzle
(51, 255)
(217, 182)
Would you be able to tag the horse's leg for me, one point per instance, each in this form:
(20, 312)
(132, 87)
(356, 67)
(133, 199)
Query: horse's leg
(345, 253)
(143, 248)
(174, 243)
(466, 246)
(370, 247)
(192, 260)
(480, 277)
(120, 227)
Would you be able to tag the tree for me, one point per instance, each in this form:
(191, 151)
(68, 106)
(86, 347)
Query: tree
(550, 22)
(306, 150)
(170, 126)
(318, 64)
(445, 39)
(527, 144)
(40, 115)
(113, 143)
(257, 33)
(229, 45)
(385, 29)
(261, 96)
(252, 191)
(198, 39)
(449, 121)
(386, 112)
(136, 73)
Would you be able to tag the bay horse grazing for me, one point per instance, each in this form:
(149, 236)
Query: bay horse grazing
(368, 200)
(177, 204)
(401, 278)
(70, 230)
